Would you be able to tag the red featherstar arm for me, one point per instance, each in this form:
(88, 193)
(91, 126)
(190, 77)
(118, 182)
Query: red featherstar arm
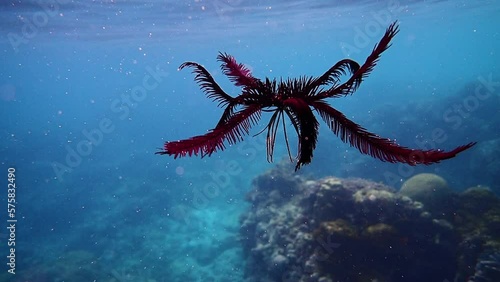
(332, 75)
(238, 73)
(208, 84)
(303, 118)
(353, 83)
(227, 114)
(232, 132)
(377, 147)
(230, 108)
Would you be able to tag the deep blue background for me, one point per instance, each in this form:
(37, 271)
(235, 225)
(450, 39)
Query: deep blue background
(66, 67)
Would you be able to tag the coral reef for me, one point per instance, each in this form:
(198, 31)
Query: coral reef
(487, 269)
(335, 229)
(341, 230)
(477, 220)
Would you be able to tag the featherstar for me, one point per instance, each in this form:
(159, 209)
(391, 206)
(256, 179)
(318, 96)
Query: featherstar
(296, 99)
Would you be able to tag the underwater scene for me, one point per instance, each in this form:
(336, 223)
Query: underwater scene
(249, 141)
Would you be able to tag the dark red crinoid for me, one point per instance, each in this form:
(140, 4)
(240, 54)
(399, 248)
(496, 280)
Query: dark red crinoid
(296, 99)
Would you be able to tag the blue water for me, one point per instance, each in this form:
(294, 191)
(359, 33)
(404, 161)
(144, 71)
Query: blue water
(89, 90)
